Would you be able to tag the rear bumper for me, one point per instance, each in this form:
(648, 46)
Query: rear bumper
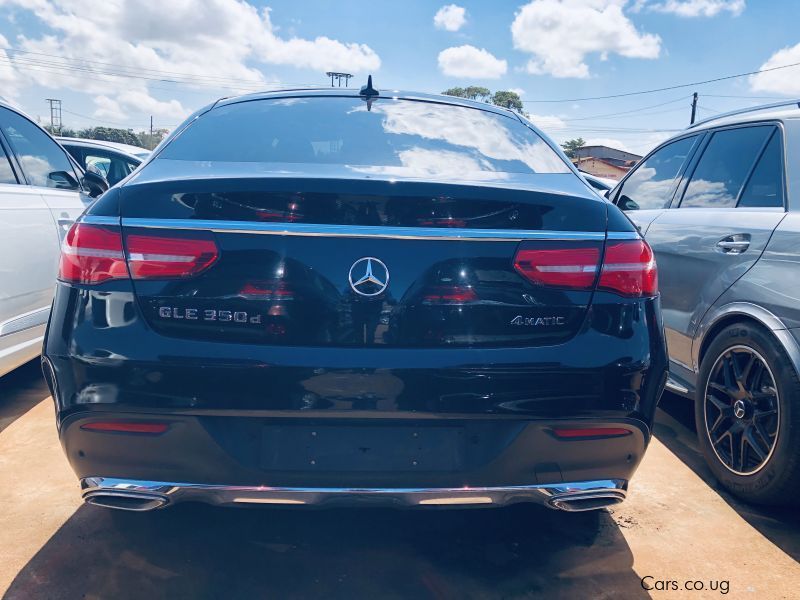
(243, 416)
(141, 496)
(393, 462)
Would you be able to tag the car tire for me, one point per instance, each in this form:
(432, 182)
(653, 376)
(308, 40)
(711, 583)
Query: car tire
(752, 413)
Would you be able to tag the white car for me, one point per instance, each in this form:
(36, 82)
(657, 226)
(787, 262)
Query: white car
(601, 185)
(111, 160)
(42, 191)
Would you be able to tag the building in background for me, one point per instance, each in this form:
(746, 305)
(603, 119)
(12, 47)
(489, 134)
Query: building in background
(604, 161)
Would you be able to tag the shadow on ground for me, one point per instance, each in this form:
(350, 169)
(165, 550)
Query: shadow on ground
(675, 428)
(201, 552)
(20, 391)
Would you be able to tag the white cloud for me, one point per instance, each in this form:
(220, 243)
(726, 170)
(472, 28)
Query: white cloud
(218, 47)
(610, 142)
(450, 17)
(699, 8)
(783, 81)
(471, 62)
(9, 80)
(107, 108)
(144, 102)
(561, 33)
(547, 123)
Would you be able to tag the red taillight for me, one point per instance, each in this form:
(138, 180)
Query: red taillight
(126, 427)
(628, 266)
(590, 432)
(559, 264)
(92, 254)
(166, 257)
(449, 294)
(629, 269)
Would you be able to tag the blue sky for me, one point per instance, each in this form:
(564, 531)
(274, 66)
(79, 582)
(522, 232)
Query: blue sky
(177, 56)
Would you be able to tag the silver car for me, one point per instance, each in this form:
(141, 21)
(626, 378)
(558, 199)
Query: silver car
(720, 206)
(42, 191)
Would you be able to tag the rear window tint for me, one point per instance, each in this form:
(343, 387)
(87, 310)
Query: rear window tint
(400, 137)
(765, 188)
(723, 167)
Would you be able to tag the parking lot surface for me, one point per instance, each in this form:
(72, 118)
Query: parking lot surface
(677, 534)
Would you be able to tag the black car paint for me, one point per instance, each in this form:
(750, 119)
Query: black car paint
(495, 394)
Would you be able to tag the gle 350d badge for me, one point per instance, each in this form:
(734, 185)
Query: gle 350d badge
(198, 314)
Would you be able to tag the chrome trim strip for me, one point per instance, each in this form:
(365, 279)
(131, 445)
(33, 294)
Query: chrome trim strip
(323, 230)
(97, 220)
(554, 495)
(675, 386)
(25, 321)
(623, 235)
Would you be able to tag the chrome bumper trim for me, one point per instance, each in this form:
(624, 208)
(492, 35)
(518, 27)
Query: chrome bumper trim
(555, 495)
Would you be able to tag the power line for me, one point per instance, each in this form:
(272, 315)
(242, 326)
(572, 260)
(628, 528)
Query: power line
(56, 67)
(745, 97)
(671, 87)
(66, 62)
(628, 112)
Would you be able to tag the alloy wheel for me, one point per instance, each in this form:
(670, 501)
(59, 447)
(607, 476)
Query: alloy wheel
(742, 410)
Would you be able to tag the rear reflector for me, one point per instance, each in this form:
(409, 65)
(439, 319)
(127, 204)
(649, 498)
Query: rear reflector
(270, 289)
(629, 269)
(125, 427)
(449, 294)
(591, 432)
(571, 265)
(92, 254)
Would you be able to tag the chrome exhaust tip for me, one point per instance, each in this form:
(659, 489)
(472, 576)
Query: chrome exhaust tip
(134, 502)
(587, 501)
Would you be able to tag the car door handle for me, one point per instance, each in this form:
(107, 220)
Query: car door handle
(734, 244)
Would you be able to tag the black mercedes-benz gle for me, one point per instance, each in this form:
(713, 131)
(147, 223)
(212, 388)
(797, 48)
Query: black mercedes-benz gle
(326, 296)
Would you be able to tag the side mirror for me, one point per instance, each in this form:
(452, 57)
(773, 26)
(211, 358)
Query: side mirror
(625, 203)
(62, 180)
(94, 184)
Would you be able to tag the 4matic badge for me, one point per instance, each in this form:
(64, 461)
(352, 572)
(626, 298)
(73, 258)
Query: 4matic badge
(521, 321)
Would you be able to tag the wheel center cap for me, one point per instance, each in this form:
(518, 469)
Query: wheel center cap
(740, 409)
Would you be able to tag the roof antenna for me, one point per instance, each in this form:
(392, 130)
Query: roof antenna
(368, 92)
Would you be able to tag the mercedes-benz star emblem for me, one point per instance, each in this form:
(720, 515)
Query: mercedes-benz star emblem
(368, 276)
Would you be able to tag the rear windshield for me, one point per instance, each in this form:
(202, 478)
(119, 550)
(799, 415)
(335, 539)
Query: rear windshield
(391, 136)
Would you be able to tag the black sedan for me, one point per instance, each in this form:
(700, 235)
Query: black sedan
(326, 296)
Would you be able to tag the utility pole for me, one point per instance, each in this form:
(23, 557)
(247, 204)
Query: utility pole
(55, 114)
(151, 131)
(694, 107)
(339, 76)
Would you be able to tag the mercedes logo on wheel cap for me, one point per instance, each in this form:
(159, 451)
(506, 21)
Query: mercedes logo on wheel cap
(368, 276)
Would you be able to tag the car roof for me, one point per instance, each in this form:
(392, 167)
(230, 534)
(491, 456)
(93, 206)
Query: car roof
(781, 111)
(130, 151)
(353, 93)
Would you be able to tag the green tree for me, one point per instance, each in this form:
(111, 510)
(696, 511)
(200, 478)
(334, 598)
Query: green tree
(571, 146)
(508, 99)
(111, 134)
(473, 92)
(151, 142)
(456, 91)
(63, 132)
